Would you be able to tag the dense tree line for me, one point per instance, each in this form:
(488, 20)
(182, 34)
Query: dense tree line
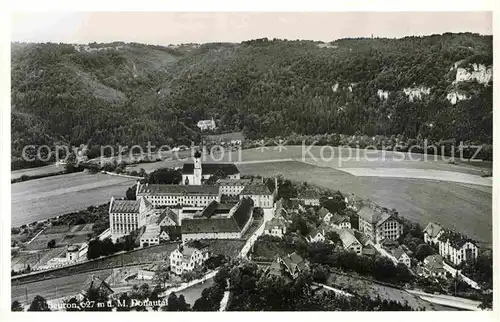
(139, 93)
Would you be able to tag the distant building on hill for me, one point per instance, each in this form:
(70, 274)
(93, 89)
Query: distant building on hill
(205, 125)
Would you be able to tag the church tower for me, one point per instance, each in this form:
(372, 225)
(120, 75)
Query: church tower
(197, 168)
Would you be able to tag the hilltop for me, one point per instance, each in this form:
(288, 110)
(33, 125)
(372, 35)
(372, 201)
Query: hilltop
(436, 87)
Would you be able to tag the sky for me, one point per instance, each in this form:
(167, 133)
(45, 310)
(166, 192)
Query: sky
(164, 28)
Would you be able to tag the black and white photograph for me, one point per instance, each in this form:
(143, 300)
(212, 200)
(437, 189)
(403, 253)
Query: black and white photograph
(168, 161)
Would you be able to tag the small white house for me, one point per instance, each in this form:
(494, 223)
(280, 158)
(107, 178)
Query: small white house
(316, 236)
(185, 259)
(275, 227)
(432, 232)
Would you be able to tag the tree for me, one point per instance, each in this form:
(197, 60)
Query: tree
(162, 275)
(333, 237)
(130, 194)
(422, 251)
(51, 243)
(16, 307)
(39, 304)
(175, 303)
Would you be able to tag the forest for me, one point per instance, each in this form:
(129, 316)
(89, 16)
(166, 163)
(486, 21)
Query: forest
(131, 93)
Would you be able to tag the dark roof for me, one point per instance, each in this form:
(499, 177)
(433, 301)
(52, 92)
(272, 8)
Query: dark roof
(235, 223)
(197, 244)
(457, 240)
(338, 219)
(308, 194)
(434, 263)
(173, 189)
(211, 168)
(323, 212)
(170, 213)
(397, 252)
(433, 229)
(256, 189)
(215, 208)
(373, 216)
(124, 206)
(234, 182)
(243, 212)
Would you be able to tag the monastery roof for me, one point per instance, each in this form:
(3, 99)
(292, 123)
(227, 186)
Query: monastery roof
(124, 206)
(235, 223)
(373, 216)
(256, 189)
(173, 189)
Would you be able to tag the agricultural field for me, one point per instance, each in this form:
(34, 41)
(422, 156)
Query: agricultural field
(227, 247)
(464, 208)
(49, 169)
(63, 235)
(49, 197)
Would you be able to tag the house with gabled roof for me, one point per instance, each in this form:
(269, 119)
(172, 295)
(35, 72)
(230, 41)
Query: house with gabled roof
(309, 197)
(401, 256)
(316, 235)
(340, 221)
(275, 227)
(349, 240)
(379, 224)
(325, 215)
(185, 259)
(433, 266)
(432, 232)
(293, 264)
(167, 217)
(259, 193)
(457, 247)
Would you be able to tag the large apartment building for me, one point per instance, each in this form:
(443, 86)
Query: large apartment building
(126, 216)
(378, 224)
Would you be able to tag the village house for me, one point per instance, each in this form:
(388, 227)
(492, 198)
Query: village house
(260, 194)
(456, 247)
(353, 203)
(185, 259)
(148, 272)
(201, 246)
(164, 235)
(288, 267)
(167, 217)
(433, 266)
(379, 224)
(309, 197)
(316, 236)
(340, 221)
(210, 225)
(432, 232)
(349, 240)
(400, 256)
(325, 215)
(151, 236)
(126, 216)
(275, 227)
